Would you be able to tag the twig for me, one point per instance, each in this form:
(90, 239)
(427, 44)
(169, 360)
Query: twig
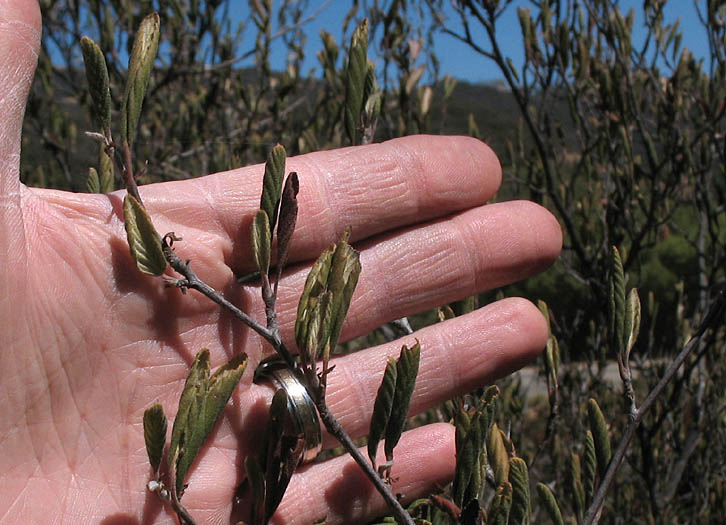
(183, 513)
(195, 283)
(335, 429)
(710, 320)
(128, 174)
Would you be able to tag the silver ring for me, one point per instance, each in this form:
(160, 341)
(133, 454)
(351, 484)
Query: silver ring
(300, 406)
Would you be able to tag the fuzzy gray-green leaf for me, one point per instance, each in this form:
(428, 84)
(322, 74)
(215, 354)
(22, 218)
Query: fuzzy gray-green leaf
(589, 467)
(470, 449)
(600, 435)
(144, 241)
(519, 478)
(549, 503)
(501, 505)
(155, 434)
(382, 409)
(318, 333)
(616, 310)
(544, 309)
(202, 402)
(577, 491)
(272, 184)
(406, 373)
(344, 271)
(315, 284)
(194, 387)
(355, 77)
(498, 457)
(93, 183)
(287, 219)
(98, 84)
(632, 322)
(261, 241)
(141, 62)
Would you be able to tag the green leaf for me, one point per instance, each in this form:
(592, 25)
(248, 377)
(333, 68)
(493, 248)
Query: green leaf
(315, 284)
(93, 183)
(98, 84)
(343, 278)
(382, 409)
(470, 449)
(632, 322)
(336, 271)
(355, 77)
(318, 328)
(471, 514)
(261, 241)
(256, 480)
(519, 478)
(462, 421)
(545, 313)
(144, 241)
(200, 405)
(549, 503)
(372, 99)
(445, 313)
(577, 491)
(498, 457)
(590, 466)
(551, 359)
(406, 373)
(291, 450)
(465, 306)
(288, 218)
(155, 434)
(195, 387)
(450, 84)
(501, 504)
(280, 453)
(616, 310)
(141, 62)
(272, 184)
(473, 127)
(600, 436)
(106, 174)
(274, 428)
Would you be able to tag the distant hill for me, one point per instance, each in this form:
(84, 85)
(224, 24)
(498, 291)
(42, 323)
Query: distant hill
(491, 105)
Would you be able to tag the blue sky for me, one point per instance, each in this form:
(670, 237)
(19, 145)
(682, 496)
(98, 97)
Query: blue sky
(456, 58)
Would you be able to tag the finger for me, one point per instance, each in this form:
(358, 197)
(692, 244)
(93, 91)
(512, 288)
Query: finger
(337, 489)
(443, 261)
(457, 356)
(372, 189)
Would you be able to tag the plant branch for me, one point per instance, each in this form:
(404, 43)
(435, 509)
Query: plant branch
(195, 283)
(128, 174)
(335, 429)
(272, 336)
(593, 512)
(183, 513)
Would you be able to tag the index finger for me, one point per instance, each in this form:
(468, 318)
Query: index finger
(372, 189)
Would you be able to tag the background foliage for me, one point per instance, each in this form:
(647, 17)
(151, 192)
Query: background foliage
(624, 142)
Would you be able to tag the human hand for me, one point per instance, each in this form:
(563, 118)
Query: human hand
(88, 342)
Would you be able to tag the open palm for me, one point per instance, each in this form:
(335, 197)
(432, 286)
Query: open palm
(88, 342)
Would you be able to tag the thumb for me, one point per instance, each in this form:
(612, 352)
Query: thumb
(19, 42)
(20, 31)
